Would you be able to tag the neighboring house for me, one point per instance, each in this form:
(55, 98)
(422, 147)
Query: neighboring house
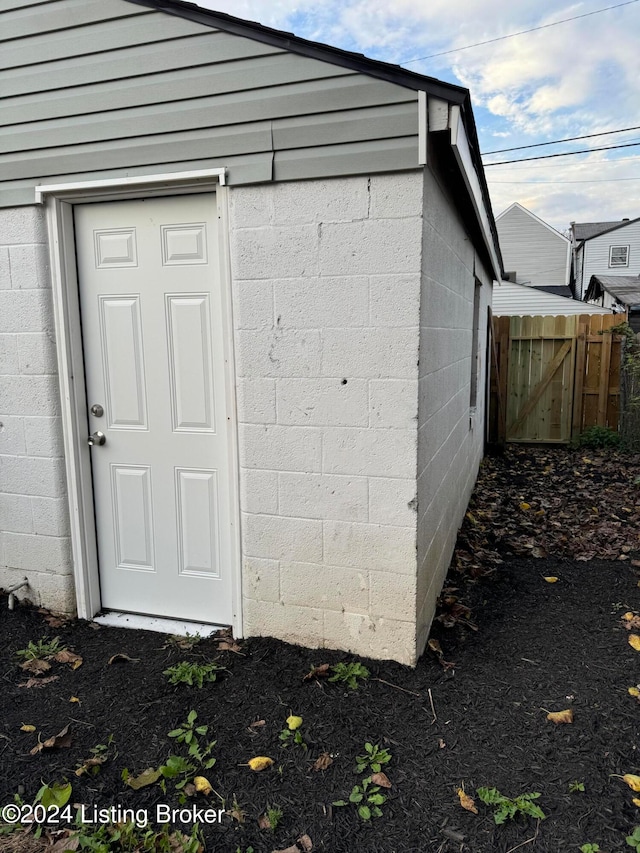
(603, 248)
(619, 293)
(533, 253)
(518, 300)
(267, 267)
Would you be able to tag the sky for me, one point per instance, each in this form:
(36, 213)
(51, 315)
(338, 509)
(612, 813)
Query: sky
(571, 79)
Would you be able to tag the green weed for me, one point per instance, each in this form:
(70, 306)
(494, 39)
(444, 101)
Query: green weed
(506, 809)
(349, 673)
(42, 649)
(367, 798)
(373, 758)
(193, 674)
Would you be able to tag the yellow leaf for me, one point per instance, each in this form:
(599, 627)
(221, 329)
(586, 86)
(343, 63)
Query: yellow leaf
(260, 762)
(628, 616)
(294, 722)
(561, 716)
(632, 781)
(524, 506)
(75, 700)
(26, 728)
(551, 579)
(467, 802)
(636, 802)
(633, 691)
(634, 642)
(202, 785)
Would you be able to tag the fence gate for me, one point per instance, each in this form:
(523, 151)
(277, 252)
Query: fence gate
(552, 377)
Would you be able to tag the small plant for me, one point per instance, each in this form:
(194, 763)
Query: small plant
(273, 815)
(186, 642)
(590, 848)
(292, 734)
(506, 809)
(633, 840)
(188, 734)
(248, 850)
(193, 674)
(99, 754)
(127, 837)
(597, 437)
(576, 787)
(349, 673)
(178, 770)
(42, 649)
(373, 758)
(367, 798)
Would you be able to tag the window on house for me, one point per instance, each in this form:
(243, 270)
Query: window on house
(618, 256)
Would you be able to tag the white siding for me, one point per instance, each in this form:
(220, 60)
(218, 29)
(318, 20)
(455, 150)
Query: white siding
(517, 300)
(596, 253)
(535, 251)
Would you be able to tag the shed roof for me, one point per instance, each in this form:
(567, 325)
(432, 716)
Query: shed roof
(625, 288)
(511, 299)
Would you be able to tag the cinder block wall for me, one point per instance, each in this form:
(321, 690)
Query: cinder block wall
(34, 535)
(326, 289)
(450, 436)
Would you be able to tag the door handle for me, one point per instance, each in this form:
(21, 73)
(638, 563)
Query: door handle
(96, 438)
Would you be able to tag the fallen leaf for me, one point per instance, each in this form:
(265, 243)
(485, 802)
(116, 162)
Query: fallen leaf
(35, 666)
(551, 579)
(89, 763)
(60, 741)
(260, 762)
(294, 722)
(632, 781)
(237, 814)
(435, 647)
(25, 727)
(467, 802)
(265, 823)
(39, 682)
(65, 656)
(202, 785)
(524, 506)
(226, 646)
(628, 616)
(322, 762)
(321, 671)
(189, 790)
(538, 553)
(305, 844)
(634, 691)
(147, 777)
(293, 849)
(634, 642)
(631, 623)
(75, 700)
(441, 743)
(636, 802)
(561, 716)
(257, 724)
(121, 657)
(71, 843)
(381, 779)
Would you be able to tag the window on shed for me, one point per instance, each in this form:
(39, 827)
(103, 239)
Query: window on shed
(475, 360)
(618, 256)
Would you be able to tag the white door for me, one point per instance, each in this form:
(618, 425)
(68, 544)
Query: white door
(152, 328)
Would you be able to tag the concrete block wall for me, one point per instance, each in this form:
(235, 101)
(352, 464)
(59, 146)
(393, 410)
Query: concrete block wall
(450, 435)
(326, 292)
(34, 534)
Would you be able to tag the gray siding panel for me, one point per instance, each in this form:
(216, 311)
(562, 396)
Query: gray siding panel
(63, 16)
(101, 88)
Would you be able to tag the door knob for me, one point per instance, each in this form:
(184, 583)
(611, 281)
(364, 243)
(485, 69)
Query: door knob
(98, 438)
(97, 410)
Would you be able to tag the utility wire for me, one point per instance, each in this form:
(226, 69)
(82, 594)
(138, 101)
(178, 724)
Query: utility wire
(594, 181)
(558, 141)
(520, 33)
(564, 154)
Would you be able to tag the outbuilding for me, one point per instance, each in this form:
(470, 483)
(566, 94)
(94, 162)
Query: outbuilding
(245, 286)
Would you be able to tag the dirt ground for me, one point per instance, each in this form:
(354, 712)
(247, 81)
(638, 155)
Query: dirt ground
(508, 648)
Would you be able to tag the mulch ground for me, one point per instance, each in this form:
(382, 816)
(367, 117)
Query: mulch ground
(508, 648)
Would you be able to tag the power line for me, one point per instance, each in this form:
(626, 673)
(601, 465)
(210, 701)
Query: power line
(557, 141)
(594, 181)
(563, 154)
(520, 33)
(546, 166)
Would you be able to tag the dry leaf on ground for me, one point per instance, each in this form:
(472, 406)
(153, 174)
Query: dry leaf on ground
(305, 843)
(561, 716)
(147, 777)
(121, 657)
(321, 671)
(551, 579)
(25, 727)
(260, 762)
(35, 666)
(381, 779)
(467, 802)
(202, 785)
(59, 741)
(66, 656)
(634, 642)
(39, 682)
(322, 762)
(632, 781)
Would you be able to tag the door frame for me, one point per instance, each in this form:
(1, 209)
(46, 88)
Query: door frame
(58, 200)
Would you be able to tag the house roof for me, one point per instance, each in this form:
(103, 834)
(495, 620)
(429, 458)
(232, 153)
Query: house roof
(558, 290)
(587, 230)
(517, 205)
(456, 95)
(624, 288)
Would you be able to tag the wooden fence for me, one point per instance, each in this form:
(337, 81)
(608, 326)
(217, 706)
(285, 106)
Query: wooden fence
(552, 377)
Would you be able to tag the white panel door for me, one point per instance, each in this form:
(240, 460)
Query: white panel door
(152, 328)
